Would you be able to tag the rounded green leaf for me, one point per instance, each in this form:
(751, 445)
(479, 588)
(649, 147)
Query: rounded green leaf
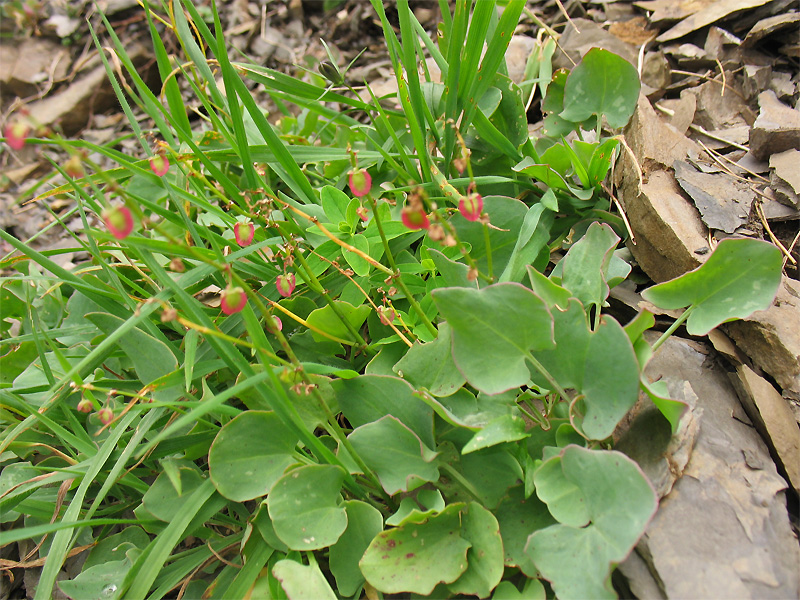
(602, 84)
(431, 365)
(417, 556)
(325, 319)
(619, 502)
(304, 507)
(249, 454)
(485, 557)
(739, 278)
(506, 428)
(396, 454)
(500, 323)
(519, 517)
(163, 501)
(364, 522)
(302, 582)
(359, 264)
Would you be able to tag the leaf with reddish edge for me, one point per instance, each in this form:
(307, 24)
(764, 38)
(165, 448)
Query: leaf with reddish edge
(470, 206)
(159, 165)
(285, 284)
(16, 134)
(360, 182)
(414, 219)
(244, 232)
(232, 300)
(118, 221)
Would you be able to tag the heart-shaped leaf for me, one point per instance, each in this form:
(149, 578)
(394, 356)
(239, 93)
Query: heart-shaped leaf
(739, 278)
(619, 502)
(501, 323)
(396, 454)
(431, 365)
(249, 454)
(602, 84)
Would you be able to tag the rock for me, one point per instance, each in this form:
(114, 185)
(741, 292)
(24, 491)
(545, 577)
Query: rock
(31, 65)
(682, 109)
(723, 531)
(770, 25)
(776, 129)
(708, 15)
(773, 418)
(667, 228)
(591, 36)
(90, 93)
(723, 202)
(786, 166)
(519, 49)
(771, 338)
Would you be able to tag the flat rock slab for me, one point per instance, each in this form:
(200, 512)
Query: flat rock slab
(776, 129)
(670, 237)
(771, 338)
(723, 531)
(723, 202)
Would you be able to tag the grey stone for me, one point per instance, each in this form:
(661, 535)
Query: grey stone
(723, 531)
(723, 202)
(776, 129)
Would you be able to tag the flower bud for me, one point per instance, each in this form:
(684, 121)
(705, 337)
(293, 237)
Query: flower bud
(74, 166)
(85, 406)
(244, 232)
(414, 219)
(159, 164)
(176, 265)
(106, 415)
(232, 300)
(16, 133)
(285, 284)
(118, 221)
(278, 323)
(470, 206)
(360, 182)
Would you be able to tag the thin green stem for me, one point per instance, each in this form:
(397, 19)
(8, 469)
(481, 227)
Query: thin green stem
(397, 276)
(317, 286)
(488, 244)
(678, 322)
(546, 374)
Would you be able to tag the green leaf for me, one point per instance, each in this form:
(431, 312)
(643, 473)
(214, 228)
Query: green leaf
(506, 215)
(334, 203)
(549, 291)
(519, 517)
(533, 236)
(602, 84)
(327, 320)
(151, 358)
(501, 323)
(367, 398)
(620, 503)
(249, 454)
(304, 507)
(359, 265)
(163, 501)
(364, 522)
(416, 556)
(431, 365)
(564, 499)
(599, 364)
(485, 558)
(739, 278)
(98, 581)
(585, 267)
(671, 409)
(506, 428)
(396, 454)
(302, 582)
(453, 274)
